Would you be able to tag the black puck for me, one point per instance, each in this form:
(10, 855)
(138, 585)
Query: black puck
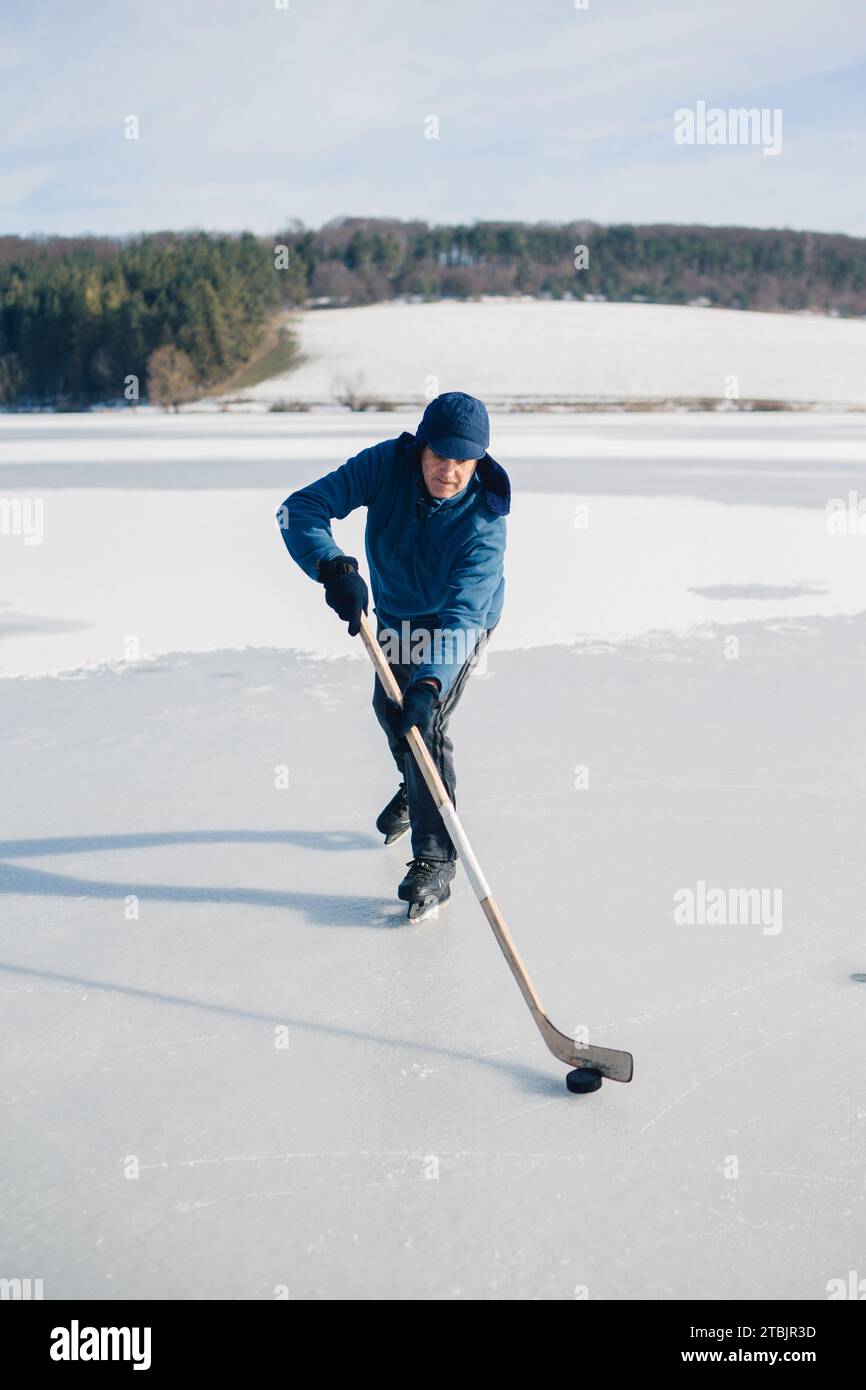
(583, 1080)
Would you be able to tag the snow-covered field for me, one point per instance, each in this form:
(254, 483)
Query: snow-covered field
(231, 1067)
(546, 349)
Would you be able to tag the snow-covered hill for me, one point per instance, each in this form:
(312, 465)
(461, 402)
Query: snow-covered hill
(505, 349)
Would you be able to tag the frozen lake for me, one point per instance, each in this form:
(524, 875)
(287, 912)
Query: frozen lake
(233, 1070)
(645, 525)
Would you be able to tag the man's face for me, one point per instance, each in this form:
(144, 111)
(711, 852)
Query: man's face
(445, 477)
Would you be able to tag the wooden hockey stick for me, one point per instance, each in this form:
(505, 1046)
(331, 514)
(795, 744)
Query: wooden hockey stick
(617, 1066)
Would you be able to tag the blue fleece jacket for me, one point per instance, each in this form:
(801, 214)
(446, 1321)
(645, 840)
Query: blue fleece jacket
(436, 564)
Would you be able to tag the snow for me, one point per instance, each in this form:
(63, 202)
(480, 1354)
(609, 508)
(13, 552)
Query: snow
(552, 349)
(173, 914)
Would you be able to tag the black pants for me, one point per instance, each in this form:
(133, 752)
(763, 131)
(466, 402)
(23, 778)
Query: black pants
(430, 839)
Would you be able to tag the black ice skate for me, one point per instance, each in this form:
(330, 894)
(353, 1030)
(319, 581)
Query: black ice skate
(394, 820)
(427, 884)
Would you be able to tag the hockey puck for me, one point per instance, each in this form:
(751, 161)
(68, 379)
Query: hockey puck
(583, 1080)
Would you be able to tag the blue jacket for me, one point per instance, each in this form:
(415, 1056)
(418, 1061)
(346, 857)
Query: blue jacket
(434, 563)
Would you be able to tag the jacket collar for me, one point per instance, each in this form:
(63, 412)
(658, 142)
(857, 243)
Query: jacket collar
(496, 484)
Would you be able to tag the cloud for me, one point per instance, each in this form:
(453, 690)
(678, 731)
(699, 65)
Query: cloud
(546, 111)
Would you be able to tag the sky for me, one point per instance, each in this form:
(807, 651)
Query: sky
(254, 112)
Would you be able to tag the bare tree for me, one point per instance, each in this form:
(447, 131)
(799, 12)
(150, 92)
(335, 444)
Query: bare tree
(171, 377)
(350, 390)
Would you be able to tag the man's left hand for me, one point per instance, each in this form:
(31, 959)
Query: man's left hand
(419, 701)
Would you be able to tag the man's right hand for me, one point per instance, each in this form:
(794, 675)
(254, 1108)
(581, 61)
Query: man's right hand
(345, 590)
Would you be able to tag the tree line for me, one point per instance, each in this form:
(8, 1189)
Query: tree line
(96, 319)
(357, 261)
(85, 319)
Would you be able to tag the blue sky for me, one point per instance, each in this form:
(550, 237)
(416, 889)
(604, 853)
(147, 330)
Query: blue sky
(250, 114)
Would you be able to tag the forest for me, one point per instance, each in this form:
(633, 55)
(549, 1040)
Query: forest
(169, 316)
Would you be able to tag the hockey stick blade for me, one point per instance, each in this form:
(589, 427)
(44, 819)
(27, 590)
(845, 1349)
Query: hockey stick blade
(615, 1065)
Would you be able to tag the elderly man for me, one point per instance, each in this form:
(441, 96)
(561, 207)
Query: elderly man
(435, 540)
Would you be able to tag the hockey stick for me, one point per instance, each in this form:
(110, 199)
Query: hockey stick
(607, 1061)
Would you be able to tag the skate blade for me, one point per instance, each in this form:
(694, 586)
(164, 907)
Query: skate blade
(396, 835)
(420, 912)
(427, 907)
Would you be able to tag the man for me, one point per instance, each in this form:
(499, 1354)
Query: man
(435, 540)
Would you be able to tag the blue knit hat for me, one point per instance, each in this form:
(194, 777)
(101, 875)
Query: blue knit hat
(455, 426)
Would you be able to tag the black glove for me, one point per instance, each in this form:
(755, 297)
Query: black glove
(345, 590)
(419, 701)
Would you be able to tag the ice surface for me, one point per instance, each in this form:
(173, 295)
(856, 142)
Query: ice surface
(414, 1138)
(621, 527)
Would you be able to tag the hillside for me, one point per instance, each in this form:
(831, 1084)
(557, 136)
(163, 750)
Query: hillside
(547, 351)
